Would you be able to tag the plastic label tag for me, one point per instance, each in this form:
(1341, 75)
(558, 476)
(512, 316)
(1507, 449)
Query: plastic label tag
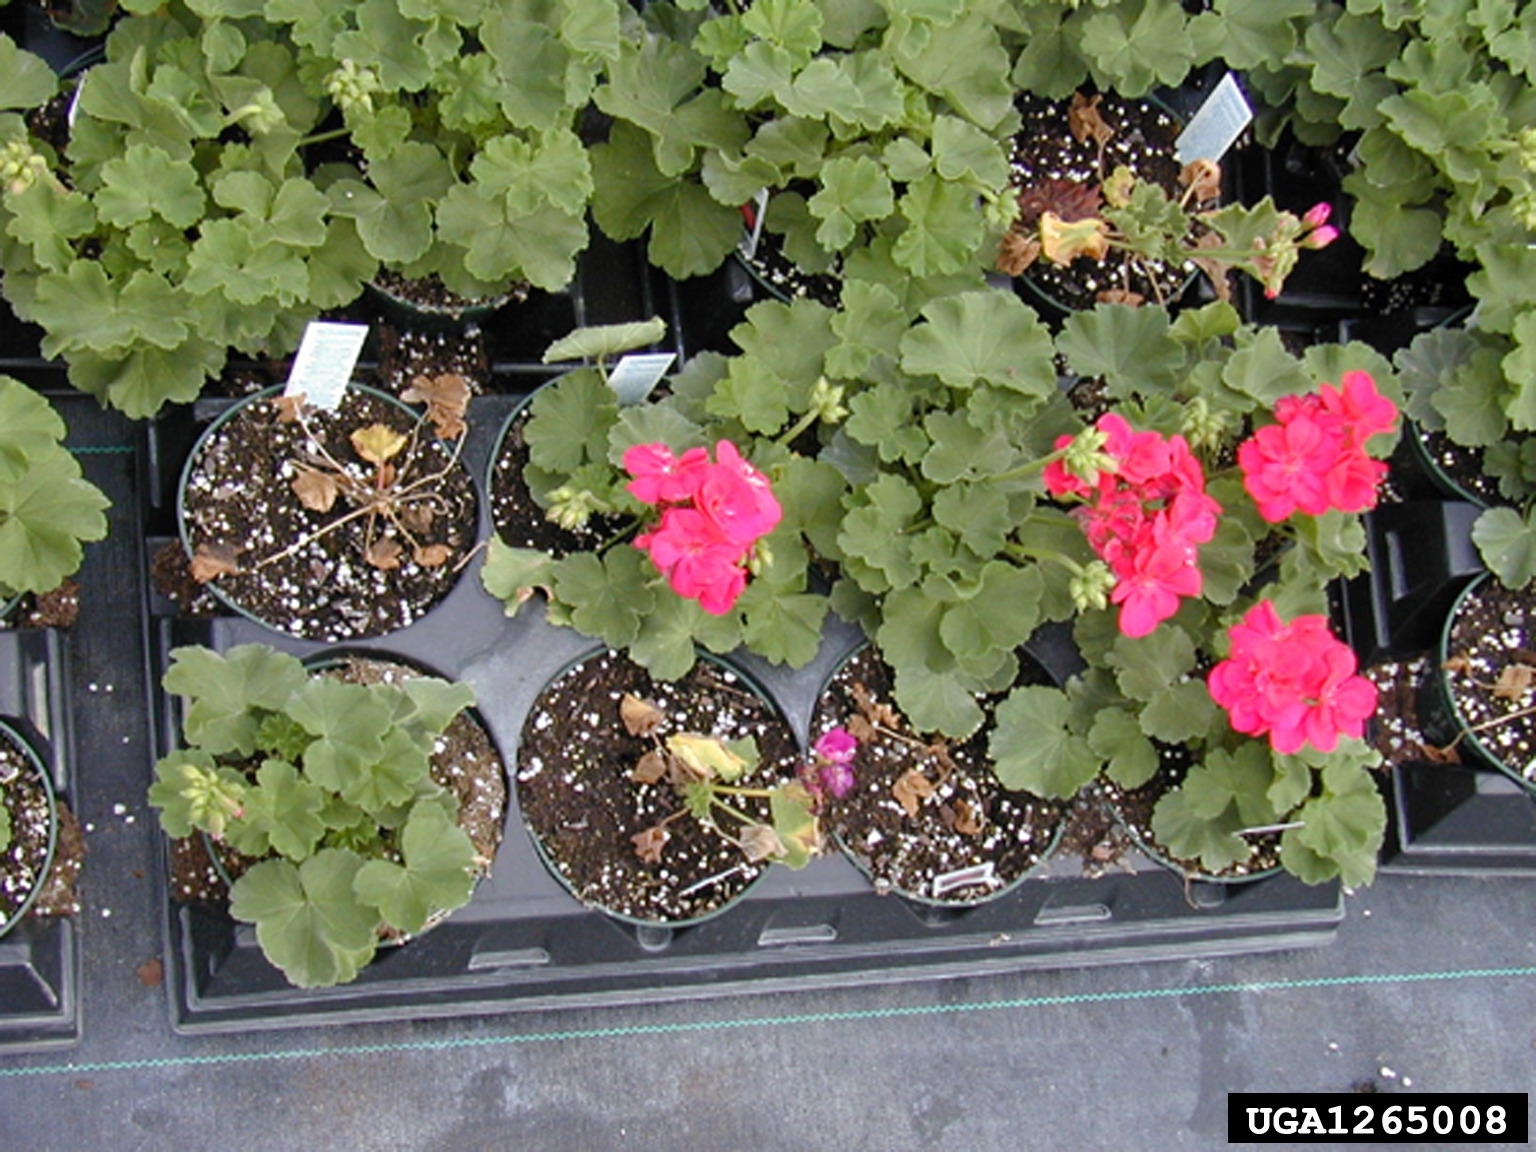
(1221, 119)
(752, 214)
(323, 365)
(635, 375)
(962, 878)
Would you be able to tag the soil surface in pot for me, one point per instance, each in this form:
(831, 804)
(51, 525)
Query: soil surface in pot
(780, 275)
(926, 816)
(1047, 158)
(1490, 668)
(431, 295)
(464, 760)
(1135, 806)
(1463, 465)
(304, 571)
(574, 761)
(23, 864)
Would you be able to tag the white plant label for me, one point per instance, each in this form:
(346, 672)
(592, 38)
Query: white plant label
(1221, 119)
(753, 217)
(323, 366)
(963, 877)
(633, 377)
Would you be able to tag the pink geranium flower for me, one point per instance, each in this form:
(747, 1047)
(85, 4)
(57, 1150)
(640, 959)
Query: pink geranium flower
(660, 477)
(1294, 682)
(737, 497)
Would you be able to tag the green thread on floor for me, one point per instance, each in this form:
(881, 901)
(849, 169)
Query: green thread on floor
(100, 449)
(631, 1030)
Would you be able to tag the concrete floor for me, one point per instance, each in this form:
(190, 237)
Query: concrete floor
(1430, 987)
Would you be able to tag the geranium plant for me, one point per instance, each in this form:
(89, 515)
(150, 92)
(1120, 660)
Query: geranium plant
(47, 508)
(710, 511)
(326, 784)
(874, 129)
(1206, 655)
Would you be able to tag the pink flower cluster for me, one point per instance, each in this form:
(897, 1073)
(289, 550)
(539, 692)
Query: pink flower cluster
(1145, 517)
(1314, 458)
(832, 772)
(712, 514)
(1295, 682)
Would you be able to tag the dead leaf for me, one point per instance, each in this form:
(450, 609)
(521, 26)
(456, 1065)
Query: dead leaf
(968, 818)
(211, 561)
(432, 555)
(911, 790)
(447, 399)
(289, 408)
(875, 711)
(1121, 296)
(1063, 242)
(1514, 681)
(1085, 120)
(1459, 663)
(315, 489)
(1202, 178)
(649, 768)
(383, 553)
(648, 844)
(417, 517)
(1215, 270)
(860, 729)
(761, 842)
(641, 717)
(377, 443)
(1438, 755)
(1015, 253)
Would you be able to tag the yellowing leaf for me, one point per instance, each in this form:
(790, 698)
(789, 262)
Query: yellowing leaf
(377, 443)
(706, 755)
(1063, 243)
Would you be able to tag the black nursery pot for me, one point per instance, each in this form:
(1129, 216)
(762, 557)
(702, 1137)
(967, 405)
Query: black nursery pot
(1487, 635)
(332, 596)
(1015, 833)
(32, 776)
(582, 809)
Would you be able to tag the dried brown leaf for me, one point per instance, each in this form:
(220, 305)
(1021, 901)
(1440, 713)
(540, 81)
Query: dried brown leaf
(1121, 296)
(1438, 755)
(315, 489)
(1016, 253)
(447, 399)
(641, 717)
(969, 819)
(432, 555)
(416, 517)
(875, 711)
(648, 844)
(911, 790)
(290, 407)
(860, 729)
(1216, 271)
(1514, 681)
(210, 561)
(761, 842)
(1085, 120)
(650, 768)
(1460, 663)
(383, 553)
(1203, 178)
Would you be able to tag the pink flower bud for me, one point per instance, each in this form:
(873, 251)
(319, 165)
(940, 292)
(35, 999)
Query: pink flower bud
(1321, 237)
(1318, 214)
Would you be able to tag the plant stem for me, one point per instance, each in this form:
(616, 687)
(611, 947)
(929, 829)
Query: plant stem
(322, 137)
(790, 434)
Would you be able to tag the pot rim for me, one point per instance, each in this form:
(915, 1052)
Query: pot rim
(9, 733)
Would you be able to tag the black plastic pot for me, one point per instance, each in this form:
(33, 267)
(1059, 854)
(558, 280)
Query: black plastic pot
(523, 944)
(39, 957)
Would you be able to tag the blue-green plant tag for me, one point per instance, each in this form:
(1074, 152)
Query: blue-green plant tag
(1220, 120)
(324, 362)
(635, 375)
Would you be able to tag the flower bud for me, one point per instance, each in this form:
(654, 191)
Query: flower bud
(1320, 237)
(1318, 214)
(352, 87)
(570, 508)
(1204, 427)
(827, 401)
(1091, 587)
(1085, 457)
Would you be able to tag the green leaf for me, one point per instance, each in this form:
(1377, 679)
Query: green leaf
(975, 336)
(667, 643)
(308, 920)
(46, 218)
(1149, 665)
(437, 874)
(349, 723)
(1502, 283)
(938, 701)
(944, 229)
(782, 627)
(604, 340)
(29, 429)
(281, 813)
(1398, 238)
(1132, 58)
(869, 325)
(979, 514)
(1033, 748)
(966, 64)
(1263, 370)
(226, 692)
(193, 791)
(1240, 778)
(437, 702)
(1213, 842)
(853, 189)
(1506, 541)
(1132, 349)
(1179, 712)
(609, 597)
(963, 152)
(1347, 56)
(1130, 759)
(146, 181)
(523, 174)
(873, 528)
(1342, 829)
(1001, 612)
(570, 421)
(28, 80)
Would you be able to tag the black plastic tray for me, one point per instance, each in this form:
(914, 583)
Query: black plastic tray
(1449, 819)
(39, 958)
(523, 943)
